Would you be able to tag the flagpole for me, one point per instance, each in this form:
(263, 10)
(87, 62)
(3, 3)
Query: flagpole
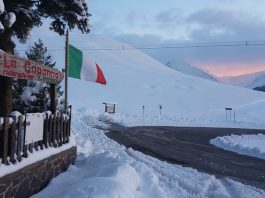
(66, 70)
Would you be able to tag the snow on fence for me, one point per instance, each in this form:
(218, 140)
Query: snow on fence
(56, 132)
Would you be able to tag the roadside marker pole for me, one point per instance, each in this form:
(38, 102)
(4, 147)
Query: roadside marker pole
(143, 111)
(234, 116)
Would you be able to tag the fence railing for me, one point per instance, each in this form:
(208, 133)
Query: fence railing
(56, 132)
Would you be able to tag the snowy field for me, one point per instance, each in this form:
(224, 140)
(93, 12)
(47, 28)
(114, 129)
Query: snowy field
(252, 145)
(106, 169)
(135, 79)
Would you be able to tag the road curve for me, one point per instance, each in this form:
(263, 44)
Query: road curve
(190, 147)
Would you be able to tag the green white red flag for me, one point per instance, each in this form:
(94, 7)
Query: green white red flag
(83, 67)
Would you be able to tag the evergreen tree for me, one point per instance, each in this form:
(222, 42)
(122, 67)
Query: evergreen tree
(17, 89)
(18, 17)
(38, 93)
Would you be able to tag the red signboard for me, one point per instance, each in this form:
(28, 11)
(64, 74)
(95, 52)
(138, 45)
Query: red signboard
(16, 67)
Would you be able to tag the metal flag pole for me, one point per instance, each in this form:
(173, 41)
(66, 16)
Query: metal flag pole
(66, 70)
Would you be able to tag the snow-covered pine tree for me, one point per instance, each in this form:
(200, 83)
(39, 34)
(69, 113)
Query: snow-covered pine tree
(18, 17)
(35, 96)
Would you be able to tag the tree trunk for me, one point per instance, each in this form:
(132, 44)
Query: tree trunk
(7, 45)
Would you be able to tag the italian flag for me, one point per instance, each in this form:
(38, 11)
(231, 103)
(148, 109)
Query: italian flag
(82, 67)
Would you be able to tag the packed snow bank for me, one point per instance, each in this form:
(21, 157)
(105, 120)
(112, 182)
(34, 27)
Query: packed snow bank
(106, 169)
(214, 119)
(252, 145)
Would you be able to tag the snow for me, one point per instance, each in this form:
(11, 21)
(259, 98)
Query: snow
(248, 80)
(252, 145)
(135, 79)
(1, 27)
(188, 69)
(33, 87)
(16, 114)
(35, 157)
(106, 169)
(10, 19)
(2, 7)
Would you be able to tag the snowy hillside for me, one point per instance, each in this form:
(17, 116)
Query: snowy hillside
(135, 79)
(249, 80)
(106, 169)
(189, 69)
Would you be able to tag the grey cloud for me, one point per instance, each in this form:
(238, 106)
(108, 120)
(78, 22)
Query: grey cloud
(221, 56)
(133, 18)
(226, 24)
(169, 18)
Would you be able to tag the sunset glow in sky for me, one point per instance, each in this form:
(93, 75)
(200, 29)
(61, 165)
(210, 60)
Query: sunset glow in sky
(174, 22)
(156, 22)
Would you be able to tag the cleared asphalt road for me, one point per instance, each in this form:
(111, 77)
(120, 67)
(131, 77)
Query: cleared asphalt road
(189, 146)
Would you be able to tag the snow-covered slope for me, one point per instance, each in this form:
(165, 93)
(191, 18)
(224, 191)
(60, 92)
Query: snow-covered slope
(135, 79)
(249, 80)
(189, 69)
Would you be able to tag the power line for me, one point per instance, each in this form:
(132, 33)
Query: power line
(170, 46)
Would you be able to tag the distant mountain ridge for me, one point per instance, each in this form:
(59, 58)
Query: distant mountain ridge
(189, 69)
(251, 81)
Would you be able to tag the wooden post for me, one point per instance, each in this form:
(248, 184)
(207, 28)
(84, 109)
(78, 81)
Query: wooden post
(53, 94)
(7, 45)
(13, 143)
(66, 70)
(54, 132)
(5, 149)
(50, 127)
(5, 96)
(19, 137)
(45, 131)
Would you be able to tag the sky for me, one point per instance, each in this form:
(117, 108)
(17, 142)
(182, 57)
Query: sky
(168, 22)
(174, 22)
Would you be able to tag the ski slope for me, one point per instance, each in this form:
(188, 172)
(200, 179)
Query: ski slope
(135, 79)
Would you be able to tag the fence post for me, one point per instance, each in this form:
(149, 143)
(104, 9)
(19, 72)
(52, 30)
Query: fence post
(45, 132)
(65, 131)
(54, 132)
(58, 129)
(50, 136)
(5, 148)
(61, 130)
(19, 135)
(13, 140)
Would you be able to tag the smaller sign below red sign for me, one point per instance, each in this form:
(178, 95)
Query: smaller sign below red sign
(16, 67)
